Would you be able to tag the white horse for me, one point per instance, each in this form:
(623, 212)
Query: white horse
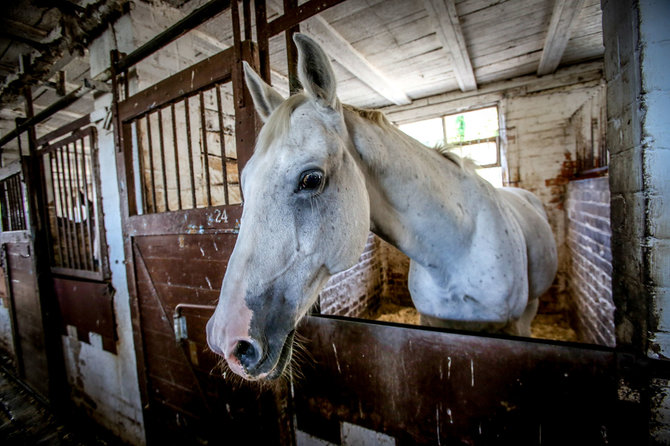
(322, 176)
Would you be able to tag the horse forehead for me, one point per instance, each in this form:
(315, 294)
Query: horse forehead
(308, 121)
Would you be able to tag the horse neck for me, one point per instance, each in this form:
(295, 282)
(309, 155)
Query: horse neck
(418, 198)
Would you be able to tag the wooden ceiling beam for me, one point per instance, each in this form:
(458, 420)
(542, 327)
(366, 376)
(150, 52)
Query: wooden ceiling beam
(563, 20)
(448, 29)
(338, 48)
(346, 55)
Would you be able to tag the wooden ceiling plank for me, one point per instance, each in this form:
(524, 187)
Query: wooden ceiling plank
(337, 47)
(563, 20)
(448, 29)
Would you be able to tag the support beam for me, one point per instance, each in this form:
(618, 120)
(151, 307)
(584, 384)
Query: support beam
(563, 19)
(345, 54)
(341, 50)
(22, 29)
(4, 33)
(448, 29)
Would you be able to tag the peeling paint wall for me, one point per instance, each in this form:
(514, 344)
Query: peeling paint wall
(541, 157)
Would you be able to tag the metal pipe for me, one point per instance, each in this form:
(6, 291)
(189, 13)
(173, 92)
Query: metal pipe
(179, 307)
(191, 21)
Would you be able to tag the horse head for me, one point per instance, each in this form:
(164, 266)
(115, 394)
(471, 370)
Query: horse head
(306, 217)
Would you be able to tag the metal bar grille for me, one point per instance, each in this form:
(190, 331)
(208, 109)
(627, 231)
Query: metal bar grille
(13, 204)
(186, 152)
(73, 205)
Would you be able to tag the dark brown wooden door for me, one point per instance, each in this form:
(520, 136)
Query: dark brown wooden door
(417, 385)
(183, 143)
(21, 294)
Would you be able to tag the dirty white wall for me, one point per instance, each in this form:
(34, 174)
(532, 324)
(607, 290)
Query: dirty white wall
(590, 272)
(536, 138)
(103, 383)
(106, 385)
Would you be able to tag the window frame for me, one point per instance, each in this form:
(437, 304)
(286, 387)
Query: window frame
(449, 147)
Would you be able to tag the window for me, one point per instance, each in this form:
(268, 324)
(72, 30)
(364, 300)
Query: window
(472, 134)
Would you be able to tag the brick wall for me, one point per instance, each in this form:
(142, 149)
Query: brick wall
(356, 291)
(395, 271)
(590, 270)
(380, 275)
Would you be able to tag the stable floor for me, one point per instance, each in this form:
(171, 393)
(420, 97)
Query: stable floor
(24, 420)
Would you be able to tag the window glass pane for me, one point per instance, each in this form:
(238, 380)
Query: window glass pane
(428, 132)
(492, 174)
(472, 125)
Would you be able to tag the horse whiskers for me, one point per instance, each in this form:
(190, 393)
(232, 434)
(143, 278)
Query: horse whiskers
(300, 356)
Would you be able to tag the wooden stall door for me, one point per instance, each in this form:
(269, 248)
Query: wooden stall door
(410, 385)
(75, 235)
(21, 293)
(183, 143)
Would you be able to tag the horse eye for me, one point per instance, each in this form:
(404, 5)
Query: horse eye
(310, 180)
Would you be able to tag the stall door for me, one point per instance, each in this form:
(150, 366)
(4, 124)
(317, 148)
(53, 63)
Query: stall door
(183, 143)
(75, 235)
(20, 292)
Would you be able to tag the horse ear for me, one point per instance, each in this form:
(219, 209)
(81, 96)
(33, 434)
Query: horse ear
(315, 71)
(266, 99)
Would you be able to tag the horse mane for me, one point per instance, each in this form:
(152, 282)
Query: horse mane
(379, 118)
(374, 116)
(464, 163)
(278, 124)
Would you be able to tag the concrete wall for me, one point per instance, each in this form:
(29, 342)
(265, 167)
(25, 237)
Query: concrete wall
(590, 270)
(637, 44)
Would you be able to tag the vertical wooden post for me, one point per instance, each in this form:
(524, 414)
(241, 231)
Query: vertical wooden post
(49, 308)
(246, 11)
(292, 50)
(263, 40)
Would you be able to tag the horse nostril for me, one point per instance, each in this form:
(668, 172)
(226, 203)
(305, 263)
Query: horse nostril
(247, 354)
